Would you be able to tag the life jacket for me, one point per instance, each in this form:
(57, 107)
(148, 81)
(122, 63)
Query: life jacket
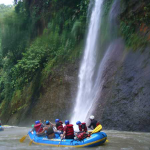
(50, 130)
(38, 127)
(80, 127)
(69, 130)
(81, 136)
(60, 126)
(98, 123)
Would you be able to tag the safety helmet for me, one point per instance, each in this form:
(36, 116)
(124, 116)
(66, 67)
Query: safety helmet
(78, 122)
(37, 122)
(92, 117)
(56, 120)
(47, 122)
(66, 121)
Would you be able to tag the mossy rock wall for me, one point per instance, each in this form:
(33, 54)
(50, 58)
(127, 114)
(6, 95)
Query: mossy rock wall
(55, 101)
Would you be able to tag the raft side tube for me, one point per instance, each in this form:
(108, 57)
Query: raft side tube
(96, 139)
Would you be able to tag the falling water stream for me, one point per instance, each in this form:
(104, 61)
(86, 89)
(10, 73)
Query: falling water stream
(87, 89)
(91, 70)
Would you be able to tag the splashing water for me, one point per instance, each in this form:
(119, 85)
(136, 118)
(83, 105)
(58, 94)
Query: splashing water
(86, 89)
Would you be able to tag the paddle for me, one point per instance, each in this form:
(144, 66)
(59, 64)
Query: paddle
(97, 129)
(34, 137)
(32, 140)
(60, 142)
(23, 138)
(30, 143)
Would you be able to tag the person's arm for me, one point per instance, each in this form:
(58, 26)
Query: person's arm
(64, 133)
(42, 130)
(33, 129)
(52, 124)
(83, 127)
(90, 125)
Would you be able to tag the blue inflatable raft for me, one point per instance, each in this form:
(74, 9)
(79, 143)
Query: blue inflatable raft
(96, 139)
(1, 128)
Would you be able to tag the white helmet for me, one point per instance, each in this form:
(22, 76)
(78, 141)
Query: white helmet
(91, 117)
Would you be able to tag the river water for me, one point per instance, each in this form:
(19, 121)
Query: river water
(117, 140)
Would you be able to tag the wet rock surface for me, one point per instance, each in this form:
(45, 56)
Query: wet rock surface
(124, 102)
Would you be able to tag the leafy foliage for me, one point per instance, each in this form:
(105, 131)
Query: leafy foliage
(37, 36)
(132, 22)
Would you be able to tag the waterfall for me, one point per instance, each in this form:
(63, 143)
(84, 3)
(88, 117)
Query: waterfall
(91, 69)
(87, 89)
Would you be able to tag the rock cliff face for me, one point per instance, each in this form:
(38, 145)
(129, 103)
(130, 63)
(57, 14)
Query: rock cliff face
(124, 101)
(55, 101)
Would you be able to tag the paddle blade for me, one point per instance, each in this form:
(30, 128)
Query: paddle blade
(23, 138)
(30, 143)
(90, 131)
(97, 129)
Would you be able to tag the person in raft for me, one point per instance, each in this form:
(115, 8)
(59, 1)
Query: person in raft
(48, 129)
(68, 131)
(59, 126)
(93, 123)
(82, 126)
(37, 127)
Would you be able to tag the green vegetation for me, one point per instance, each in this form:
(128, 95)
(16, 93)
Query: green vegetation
(3, 11)
(36, 37)
(107, 7)
(135, 23)
(105, 24)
